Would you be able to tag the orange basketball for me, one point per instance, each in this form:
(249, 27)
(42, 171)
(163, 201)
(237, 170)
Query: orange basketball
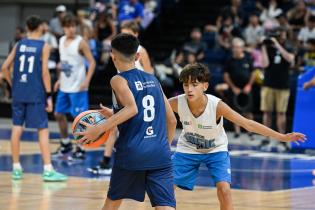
(92, 117)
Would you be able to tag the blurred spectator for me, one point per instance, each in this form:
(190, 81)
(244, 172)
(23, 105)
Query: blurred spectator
(19, 34)
(55, 23)
(105, 30)
(269, 14)
(148, 13)
(307, 55)
(238, 74)
(130, 10)
(298, 15)
(307, 32)
(254, 31)
(54, 56)
(195, 46)
(89, 37)
(284, 24)
(277, 60)
(227, 31)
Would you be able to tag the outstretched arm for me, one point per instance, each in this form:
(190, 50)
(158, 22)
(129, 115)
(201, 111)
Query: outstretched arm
(255, 127)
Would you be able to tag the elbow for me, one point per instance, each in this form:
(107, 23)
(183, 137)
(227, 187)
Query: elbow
(249, 125)
(173, 121)
(134, 111)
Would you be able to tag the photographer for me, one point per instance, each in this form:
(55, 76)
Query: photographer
(238, 74)
(275, 92)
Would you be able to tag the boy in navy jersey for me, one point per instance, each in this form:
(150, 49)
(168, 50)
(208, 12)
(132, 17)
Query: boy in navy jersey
(31, 95)
(146, 126)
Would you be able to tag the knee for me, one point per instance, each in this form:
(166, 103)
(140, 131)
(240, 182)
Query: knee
(58, 116)
(224, 191)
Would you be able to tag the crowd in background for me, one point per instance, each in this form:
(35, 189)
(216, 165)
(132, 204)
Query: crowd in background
(253, 42)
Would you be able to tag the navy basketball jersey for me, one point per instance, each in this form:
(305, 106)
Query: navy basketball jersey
(142, 143)
(27, 74)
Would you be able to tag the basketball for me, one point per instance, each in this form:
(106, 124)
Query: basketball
(92, 117)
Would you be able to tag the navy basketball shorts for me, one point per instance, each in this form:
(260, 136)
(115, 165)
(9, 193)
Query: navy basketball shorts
(132, 184)
(186, 167)
(33, 115)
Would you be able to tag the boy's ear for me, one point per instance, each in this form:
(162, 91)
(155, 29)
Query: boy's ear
(137, 57)
(205, 86)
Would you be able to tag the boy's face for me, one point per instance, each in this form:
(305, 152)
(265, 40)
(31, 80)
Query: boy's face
(70, 31)
(194, 89)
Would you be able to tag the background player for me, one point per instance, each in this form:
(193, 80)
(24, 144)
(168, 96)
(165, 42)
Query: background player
(142, 159)
(31, 96)
(203, 138)
(73, 83)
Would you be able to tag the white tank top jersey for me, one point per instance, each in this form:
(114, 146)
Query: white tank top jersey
(73, 71)
(202, 134)
(137, 63)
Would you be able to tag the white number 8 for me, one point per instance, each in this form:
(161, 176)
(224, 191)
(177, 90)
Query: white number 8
(148, 105)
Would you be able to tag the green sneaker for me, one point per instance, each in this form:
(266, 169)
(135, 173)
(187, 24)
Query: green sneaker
(17, 174)
(54, 176)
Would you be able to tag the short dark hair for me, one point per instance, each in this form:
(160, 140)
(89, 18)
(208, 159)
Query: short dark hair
(125, 44)
(311, 41)
(69, 20)
(131, 25)
(195, 72)
(311, 18)
(33, 22)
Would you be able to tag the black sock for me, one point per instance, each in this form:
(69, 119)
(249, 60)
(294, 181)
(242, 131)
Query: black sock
(106, 160)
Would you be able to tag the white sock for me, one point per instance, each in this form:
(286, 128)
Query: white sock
(65, 140)
(48, 167)
(17, 166)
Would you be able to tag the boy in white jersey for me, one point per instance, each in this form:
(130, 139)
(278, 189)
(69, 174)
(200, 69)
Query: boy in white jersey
(73, 81)
(203, 139)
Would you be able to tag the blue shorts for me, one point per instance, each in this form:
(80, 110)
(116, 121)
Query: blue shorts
(132, 184)
(186, 168)
(72, 103)
(33, 115)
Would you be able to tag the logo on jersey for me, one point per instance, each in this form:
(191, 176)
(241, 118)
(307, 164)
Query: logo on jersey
(23, 78)
(22, 48)
(139, 85)
(187, 122)
(149, 132)
(204, 126)
(66, 68)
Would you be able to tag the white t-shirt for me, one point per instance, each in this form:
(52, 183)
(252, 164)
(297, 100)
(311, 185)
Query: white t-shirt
(202, 134)
(305, 34)
(73, 71)
(137, 63)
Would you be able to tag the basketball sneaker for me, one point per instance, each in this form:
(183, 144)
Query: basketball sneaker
(101, 169)
(79, 154)
(62, 150)
(53, 176)
(17, 174)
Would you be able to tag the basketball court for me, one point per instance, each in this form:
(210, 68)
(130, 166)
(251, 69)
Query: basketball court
(262, 181)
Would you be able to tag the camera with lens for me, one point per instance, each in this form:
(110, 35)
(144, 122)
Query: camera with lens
(271, 34)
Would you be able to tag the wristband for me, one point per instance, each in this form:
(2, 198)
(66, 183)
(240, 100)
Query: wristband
(49, 95)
